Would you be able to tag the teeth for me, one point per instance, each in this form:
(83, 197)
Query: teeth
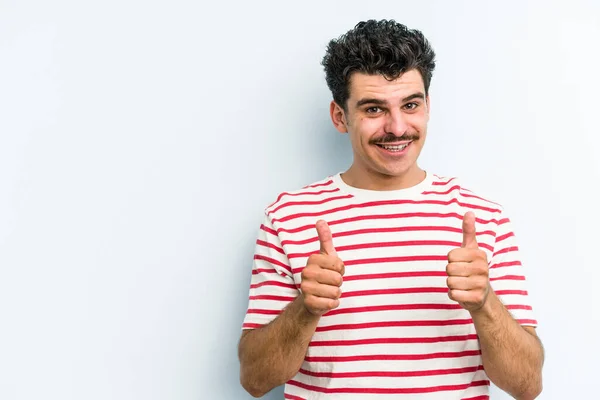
(394, 148)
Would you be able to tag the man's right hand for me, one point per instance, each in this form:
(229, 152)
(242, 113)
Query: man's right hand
(322, 276)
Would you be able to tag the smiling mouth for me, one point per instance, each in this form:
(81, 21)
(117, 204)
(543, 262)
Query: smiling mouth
(393, 147)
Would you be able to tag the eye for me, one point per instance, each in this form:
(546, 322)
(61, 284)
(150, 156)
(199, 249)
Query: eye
(411, 106)
(373, 110)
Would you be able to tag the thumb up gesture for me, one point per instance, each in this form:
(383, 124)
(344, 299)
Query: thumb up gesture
(467, 269)
(322, 276)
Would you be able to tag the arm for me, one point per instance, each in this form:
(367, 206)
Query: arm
(272, 355)
(512, 354)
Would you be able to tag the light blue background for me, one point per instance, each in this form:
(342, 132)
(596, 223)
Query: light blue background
(141, 140)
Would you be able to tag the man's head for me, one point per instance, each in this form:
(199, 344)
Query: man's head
(379, 75)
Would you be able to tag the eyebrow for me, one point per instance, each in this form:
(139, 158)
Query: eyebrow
(379, 102)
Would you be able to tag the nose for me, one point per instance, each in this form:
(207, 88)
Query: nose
(395, 123)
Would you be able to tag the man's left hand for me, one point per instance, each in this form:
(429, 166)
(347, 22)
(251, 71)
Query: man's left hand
(467, 269)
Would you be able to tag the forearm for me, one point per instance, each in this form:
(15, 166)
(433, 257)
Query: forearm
(271, 355)
(512, 357)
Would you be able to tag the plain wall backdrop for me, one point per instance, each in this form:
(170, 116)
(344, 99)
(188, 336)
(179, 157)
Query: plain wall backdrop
(140, 142)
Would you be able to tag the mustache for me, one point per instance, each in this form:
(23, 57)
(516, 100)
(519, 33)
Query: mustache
(391, 138)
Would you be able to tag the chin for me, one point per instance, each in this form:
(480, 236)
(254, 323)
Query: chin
(393, 172)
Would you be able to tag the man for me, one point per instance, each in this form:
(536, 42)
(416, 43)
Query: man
(387, 281)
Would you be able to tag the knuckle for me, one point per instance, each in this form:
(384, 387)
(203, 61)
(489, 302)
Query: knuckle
(312, 259)
(339, 265)
(305, 287)
(481, 269)
(307, 273)
(331, 262)
(308, 287)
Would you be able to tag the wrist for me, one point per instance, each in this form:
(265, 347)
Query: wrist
(487, 308)
(305, 316)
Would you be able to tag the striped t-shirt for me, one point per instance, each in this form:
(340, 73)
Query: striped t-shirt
(396, 334)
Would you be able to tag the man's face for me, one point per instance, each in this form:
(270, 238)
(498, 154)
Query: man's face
(386, 121)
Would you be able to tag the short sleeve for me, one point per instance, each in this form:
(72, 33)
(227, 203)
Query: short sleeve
(507, 275)
(272, 286)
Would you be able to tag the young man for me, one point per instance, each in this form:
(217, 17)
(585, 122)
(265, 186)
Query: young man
(387, 281)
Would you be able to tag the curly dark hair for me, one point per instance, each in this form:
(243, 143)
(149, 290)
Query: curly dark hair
(383, 47)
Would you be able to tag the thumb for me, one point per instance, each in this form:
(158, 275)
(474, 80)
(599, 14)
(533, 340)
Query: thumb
(469, 233)
(325, 238)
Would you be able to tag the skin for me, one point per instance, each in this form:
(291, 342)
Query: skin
(272, 355)
(393, 112)
(378, 108)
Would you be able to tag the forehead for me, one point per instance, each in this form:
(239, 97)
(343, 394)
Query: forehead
(378, 87)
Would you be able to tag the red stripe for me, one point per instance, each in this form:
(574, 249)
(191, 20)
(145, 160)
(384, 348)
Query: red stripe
(482, 397)
(508, 278)
(505, 264)
(394, 307)
(273, 283)
(268, 230)
(272, 297)
(269, 245)
(250, 325)
(463, 190)
(359, 246)
(395, 340)
(393, 357)
(262, 311)
(383, 203)
(446, 192)
(392, 374)
(309, 203)
(436, 183)
(390, 275)
(272, 261)
(302, 194)
(404, 229)
(503, 221)
(506, 250)
(505, 292)
(386, 216)
(527, 321)
(504, 237)
(479, 198)
(385, 230)
(396, 259)
(292, 397)
(395, 291)
(264, 271)
(429, 389)
(329, 182)
(388, 324)
(385, 260)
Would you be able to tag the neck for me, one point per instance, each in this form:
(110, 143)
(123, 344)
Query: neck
(371, 180)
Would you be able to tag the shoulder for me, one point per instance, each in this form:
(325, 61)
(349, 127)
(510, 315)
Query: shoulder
(463, 194)
(313, 193)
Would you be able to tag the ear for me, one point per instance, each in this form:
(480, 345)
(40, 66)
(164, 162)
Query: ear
(338, 117)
